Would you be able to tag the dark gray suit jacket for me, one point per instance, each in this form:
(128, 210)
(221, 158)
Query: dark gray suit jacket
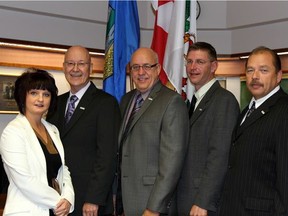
(211, 127)
(90, 144)
(257, 178)
(153, 151)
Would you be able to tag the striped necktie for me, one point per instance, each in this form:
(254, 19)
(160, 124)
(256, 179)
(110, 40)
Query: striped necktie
(137, 105)
(252, 108)
(71, 108)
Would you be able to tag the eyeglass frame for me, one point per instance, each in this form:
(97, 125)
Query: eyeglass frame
(78, 64)
(200, 62)
(143, 67)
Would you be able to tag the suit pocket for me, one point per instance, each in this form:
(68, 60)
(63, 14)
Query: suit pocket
(258, 204)
(148, 180)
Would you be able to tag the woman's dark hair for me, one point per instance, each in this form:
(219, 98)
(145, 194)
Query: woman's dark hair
(34, 78)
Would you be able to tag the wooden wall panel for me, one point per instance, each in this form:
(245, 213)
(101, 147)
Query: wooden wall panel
(52, 60)
(230, 67)
(49, 60)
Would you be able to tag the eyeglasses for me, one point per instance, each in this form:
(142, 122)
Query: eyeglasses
(189, 62)
(80, 65)
(145, 67)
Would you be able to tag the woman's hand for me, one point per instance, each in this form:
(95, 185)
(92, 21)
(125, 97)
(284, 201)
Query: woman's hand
(62, 208)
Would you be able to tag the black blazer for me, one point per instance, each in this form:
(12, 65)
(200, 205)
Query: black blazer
(90, 144)
(257, 178)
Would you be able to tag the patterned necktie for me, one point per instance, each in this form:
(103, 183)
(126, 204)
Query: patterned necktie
(137, 105)
(249, 112)
(71, 108)
(192, 105)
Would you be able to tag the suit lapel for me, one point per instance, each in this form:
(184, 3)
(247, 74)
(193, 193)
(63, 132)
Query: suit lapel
(80, 109)
(153, 94)
(61, 109)
(33, 142)
(258, 113)
(204, 102)
(126, 115)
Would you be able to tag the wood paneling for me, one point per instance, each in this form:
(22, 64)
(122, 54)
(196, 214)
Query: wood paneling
(49, 60)
(53, 60)
(230, 67)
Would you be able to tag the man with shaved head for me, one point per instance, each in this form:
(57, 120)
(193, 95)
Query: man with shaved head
(153, 140)
(88, 121)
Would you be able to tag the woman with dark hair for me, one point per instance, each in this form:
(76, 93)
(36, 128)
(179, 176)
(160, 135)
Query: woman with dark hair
(32, 152)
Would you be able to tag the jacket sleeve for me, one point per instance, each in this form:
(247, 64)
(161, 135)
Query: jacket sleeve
(173, 146)
(67, 191)
(63, 177)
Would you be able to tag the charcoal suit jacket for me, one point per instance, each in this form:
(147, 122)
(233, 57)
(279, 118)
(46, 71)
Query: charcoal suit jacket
(153, 150)
(211, 127)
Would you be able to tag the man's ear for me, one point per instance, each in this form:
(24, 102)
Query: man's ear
(214, 66)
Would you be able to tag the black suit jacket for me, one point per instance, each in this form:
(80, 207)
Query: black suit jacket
(90, 144)
(257, 178)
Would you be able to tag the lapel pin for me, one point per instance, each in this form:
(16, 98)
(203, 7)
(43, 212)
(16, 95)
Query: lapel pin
(151, 99)
(82, 108)
(263, 112)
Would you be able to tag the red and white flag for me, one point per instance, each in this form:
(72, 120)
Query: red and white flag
(174, 31)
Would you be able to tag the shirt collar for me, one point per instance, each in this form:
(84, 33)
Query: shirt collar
(260, 101)
(202, 91)
(81, 92)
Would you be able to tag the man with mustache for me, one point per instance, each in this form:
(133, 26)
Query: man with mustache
(257, 177)
(89, 135)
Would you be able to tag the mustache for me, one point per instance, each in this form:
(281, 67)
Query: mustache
(255, 82)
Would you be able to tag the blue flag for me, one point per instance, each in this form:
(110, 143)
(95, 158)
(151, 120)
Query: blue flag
(122, 39)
